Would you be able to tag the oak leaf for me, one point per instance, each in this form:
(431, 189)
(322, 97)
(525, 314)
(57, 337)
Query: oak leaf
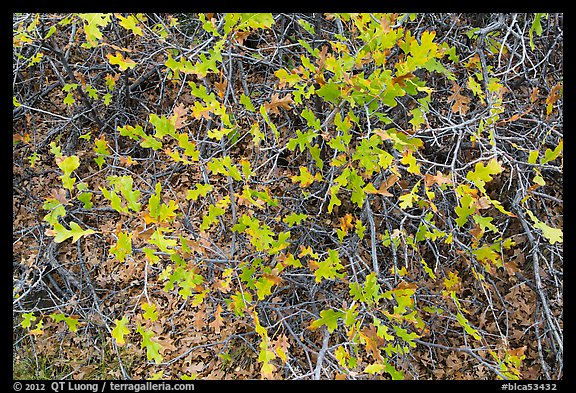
(460, 102)
(284, 102)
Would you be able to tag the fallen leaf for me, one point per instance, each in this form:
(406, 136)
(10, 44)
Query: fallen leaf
(460, 102)
(218, 321)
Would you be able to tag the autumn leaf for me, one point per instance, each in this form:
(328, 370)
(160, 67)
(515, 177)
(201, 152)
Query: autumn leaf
(276, 102)
(346, 222)
(221, 87)
(439, 178)
(120, 61)
(460, 103)
(218, 321)
(60, 195)
(281, 346)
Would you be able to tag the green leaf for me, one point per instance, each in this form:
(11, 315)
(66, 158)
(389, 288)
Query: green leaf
(465, 209)
(71, 322)
(551, 155)
(152, 347)
(68, 164)
(56, 209)
(92, 24)
(151, 255)
(123, 246)
(124, 184)
(55, 149)
(311, 120)
(77, 232)
(122, 62)
(375, 368)
(328, 268)
(410, 160)
(482, 174)
(199, 190)
(101, 149)
(214, 211)
(163, 126)
(258, 20)
(302, 140)
(263, 287)
(334, 200)
(407, 200)
(149, 311)
(294, 219)
(120, 330)
(536, 27)
(305, 178)
(329, 92)
(554, 235)
(404, 335)
(27, 320)
(485, 223)
(307, 26)
(329, 318)
(245, 100)
(92, 92)
(163, 243)
(115, 201)
(130, 23)
(466, 325)
(369, 292)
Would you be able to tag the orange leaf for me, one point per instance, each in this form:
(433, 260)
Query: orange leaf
(346, 222)
(438, 178)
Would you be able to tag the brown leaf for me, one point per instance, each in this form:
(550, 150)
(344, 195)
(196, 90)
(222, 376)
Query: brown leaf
(400, 80)
(438, 178)
(240, 36)
(322, 57)
(385, 185)
(218, 321)
(281, 346)
(385, 23)
(276, 102)
(199, 318)
(127, 161)
(180, 113)
(373, 341)
(460, 102)
(273, 276)
(534, 94)
(221, 87)
(483, 203)
(60, 195)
